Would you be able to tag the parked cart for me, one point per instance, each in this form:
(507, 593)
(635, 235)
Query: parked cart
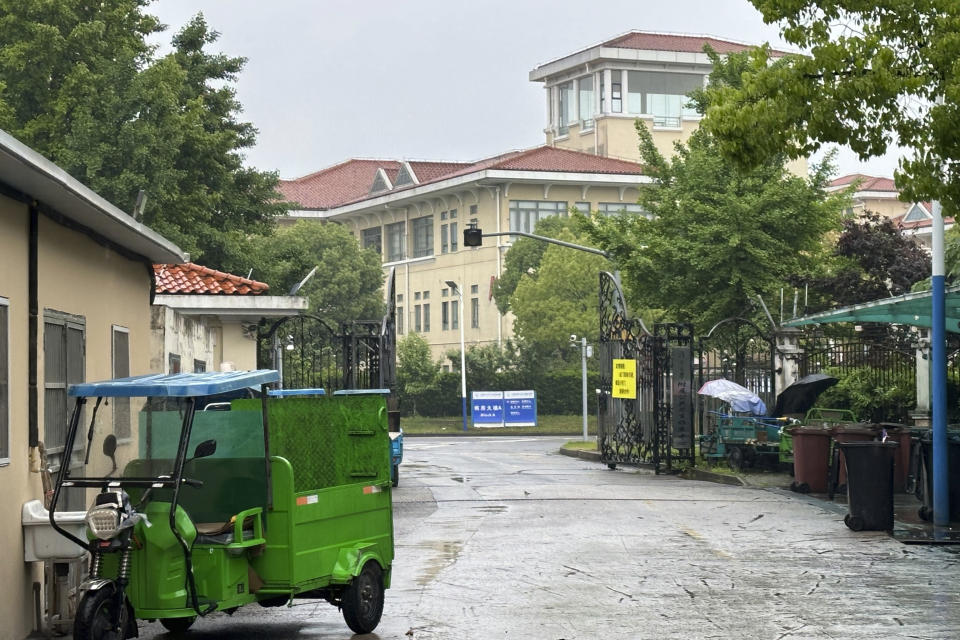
(264, 501)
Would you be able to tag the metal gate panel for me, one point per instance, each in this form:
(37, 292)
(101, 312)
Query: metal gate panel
(641, 430)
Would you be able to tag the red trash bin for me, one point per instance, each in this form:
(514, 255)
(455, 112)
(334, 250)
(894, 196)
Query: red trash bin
(811, 451)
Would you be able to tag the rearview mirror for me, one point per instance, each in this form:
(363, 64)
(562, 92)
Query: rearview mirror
(205, 449)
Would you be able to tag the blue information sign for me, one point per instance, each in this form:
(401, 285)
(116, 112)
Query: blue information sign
(520, 408)
(486, 408)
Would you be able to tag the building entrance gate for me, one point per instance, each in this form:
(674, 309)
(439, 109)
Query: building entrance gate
(311, 353)
(650, 420)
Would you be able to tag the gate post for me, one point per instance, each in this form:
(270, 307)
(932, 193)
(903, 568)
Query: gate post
(787, 357)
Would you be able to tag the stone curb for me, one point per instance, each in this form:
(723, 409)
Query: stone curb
(593, 456)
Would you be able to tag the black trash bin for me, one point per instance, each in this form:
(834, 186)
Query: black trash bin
(953, 475)
(869, 484)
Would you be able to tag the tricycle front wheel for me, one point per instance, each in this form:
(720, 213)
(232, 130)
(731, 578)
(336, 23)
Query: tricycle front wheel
(96, 617)
(362, 600)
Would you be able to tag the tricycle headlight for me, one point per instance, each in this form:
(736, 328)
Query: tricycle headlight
(103, 521)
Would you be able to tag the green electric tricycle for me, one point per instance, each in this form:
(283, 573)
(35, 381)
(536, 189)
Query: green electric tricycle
(204, 498)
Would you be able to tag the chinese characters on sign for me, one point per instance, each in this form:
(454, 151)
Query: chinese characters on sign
(625, 378)
(486, 408)
(520, 408)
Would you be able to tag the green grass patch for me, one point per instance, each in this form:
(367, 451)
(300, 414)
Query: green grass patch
(580, 445)
(547, 425)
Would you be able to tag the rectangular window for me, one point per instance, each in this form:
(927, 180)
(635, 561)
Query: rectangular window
(399, 319)
(635, 92)
(601, 92)
(426, 295)
(416, 295)
(399, 297)
(173, 360)
(444, 248)
(474, 289)
(453, 214)
(454, 314)
(453, 236)
(199, 366)
(583, 207)
(4, 381)
(474, 313)
(585, 85)
(63, 364)
(444, 316)
(426, 317)
(616, 91)
(525, 214)
(443, 215)
(565, 92)
(418, 318)
(423, 237)
(396, 241)
(371, 239)
(121, 369)
(611, 208)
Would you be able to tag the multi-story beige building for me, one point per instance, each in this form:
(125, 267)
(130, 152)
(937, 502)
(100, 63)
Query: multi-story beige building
(413, 213)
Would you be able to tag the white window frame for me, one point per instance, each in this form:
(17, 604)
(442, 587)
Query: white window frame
(5, 455)
(114, 329)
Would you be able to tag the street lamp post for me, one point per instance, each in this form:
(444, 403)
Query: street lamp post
(463, 353)
(583, 364)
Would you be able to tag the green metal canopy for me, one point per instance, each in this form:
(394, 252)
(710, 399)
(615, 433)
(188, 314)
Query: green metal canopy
(910, 309)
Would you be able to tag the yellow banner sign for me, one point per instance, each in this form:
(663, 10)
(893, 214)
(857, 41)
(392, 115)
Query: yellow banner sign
(625, 379)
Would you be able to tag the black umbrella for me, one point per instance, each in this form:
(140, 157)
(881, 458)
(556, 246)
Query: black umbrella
(800, 396)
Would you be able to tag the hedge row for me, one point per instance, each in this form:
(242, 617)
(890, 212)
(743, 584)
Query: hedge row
(558, 392)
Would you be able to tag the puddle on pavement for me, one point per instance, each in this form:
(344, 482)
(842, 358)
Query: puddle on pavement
(492, 508)
(446, 554)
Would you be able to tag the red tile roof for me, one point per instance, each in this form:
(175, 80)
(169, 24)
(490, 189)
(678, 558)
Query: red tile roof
(919, 224)
(649, 41)
(195, 279)
(333, 187)
(868, 183)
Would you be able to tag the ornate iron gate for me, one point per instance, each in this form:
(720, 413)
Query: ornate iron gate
(656, 425)
(738, 350)
(309, 352)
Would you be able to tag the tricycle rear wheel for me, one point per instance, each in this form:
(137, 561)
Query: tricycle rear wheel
(178, 626)
(362, 600)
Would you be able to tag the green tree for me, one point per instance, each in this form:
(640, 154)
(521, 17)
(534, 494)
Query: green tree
(524, 257)
(872, 74)
(557, 299)
(718, 235)
(348, 282)
(79, 83)
(872, 259)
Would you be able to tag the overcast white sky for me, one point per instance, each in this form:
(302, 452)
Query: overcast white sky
(327, 80)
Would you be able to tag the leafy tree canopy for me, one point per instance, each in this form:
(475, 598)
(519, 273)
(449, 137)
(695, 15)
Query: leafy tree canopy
(348, 282)
(524, 258)
(873, 259)
(872, 75)
(556, 299)
(416, 370)
(718, 235)
(80, 84)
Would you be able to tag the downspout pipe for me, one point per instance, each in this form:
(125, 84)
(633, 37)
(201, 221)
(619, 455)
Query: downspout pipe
(33, 326)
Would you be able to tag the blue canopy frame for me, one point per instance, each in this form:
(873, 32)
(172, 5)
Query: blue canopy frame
(176, 385)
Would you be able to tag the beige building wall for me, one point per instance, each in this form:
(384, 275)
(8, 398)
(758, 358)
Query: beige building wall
(237, 348)
(19, 484)
(886, 207)
(192, 338)
(78, 276)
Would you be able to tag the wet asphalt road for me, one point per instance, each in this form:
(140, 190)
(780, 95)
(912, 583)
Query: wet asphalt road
(502, 537)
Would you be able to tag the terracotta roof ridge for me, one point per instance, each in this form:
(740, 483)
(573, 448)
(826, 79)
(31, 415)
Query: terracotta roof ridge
(338, 165)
